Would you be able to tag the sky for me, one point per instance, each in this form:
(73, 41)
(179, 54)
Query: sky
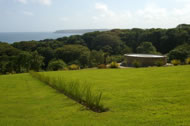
(52, 15)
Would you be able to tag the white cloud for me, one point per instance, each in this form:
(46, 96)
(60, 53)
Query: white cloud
(109, 18)
(43, 2)
(183, 1)
(28, 13)
(101, 7)
(65, 19)
(150, 16)
(22, 1)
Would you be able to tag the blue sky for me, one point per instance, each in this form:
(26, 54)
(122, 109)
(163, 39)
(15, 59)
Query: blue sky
(51, 15)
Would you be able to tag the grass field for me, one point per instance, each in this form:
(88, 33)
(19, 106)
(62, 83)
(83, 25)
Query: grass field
(136, 97)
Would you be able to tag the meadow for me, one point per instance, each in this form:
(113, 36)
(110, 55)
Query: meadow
(155, 96)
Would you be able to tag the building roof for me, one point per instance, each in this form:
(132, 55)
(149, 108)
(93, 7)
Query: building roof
(145, 55)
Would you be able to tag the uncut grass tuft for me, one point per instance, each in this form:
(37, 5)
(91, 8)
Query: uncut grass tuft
(81, 93)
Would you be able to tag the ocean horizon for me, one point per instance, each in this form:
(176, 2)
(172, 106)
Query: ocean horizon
(11, 37)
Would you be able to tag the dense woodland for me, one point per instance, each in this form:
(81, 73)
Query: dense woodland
(92, 49)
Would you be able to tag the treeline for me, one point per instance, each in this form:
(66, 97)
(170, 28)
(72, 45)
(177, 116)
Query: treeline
(93, 49)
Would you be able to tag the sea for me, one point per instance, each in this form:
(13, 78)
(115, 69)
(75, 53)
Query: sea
(11, 37)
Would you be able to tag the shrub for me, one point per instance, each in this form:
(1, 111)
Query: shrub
(187, 61)
(159, 63)
(56, 65)
(136, 64)
(102, 66)
(180, 53)
(117, 58)
(114, 65)
(124, 63)
(74, 67)
(176, 62)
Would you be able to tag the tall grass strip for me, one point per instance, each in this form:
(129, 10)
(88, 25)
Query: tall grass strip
(73, 89)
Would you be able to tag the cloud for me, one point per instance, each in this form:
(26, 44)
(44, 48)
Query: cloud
(109, 18)
(183, 1)
(65, 19)
(43, 2)
(27, 13)
(151, 15)
(101, 7)
(22, 1)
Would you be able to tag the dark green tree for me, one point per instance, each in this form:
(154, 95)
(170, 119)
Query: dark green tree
(89, 39)
(24, 61)
(96, 58)
(75, 39)
(36, 61)
(181, 53)
(74, 53)
(48, 54)
(26, 45)
(108, 43)
(146, 48)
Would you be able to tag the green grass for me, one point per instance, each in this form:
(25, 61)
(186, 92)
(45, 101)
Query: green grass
(75, 90)
(136, 97)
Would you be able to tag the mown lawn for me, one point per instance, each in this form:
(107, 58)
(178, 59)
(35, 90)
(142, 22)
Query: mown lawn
(135, 97)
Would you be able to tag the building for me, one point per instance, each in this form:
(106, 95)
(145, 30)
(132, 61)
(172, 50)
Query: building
(145, 60)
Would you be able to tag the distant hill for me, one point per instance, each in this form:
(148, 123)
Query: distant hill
(81, 31)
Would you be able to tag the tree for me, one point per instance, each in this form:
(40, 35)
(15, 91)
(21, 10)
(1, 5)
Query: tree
(24, 61)
(132, 38)
(96, 58)
(8, 55)
(183, 26)
(4, 60)
(36, 61)
(125, 49)
(48, 55)
(89, 39)
(73, 53)
(146, 48)
(75, 39)
(180, 53)
(6, 49)
(26, 45)
(56, 65)
(108, 43)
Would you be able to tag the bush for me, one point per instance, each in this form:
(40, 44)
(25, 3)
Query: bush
(56, 65)
(159, 63)
(114, 65)
(102, 66)
(176, 62)
(136, 64)
(124, 63)
(74, 67)
(180, 53)
(117, 59)
(187, 61)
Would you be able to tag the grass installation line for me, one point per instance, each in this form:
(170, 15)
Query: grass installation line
(72, 89)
